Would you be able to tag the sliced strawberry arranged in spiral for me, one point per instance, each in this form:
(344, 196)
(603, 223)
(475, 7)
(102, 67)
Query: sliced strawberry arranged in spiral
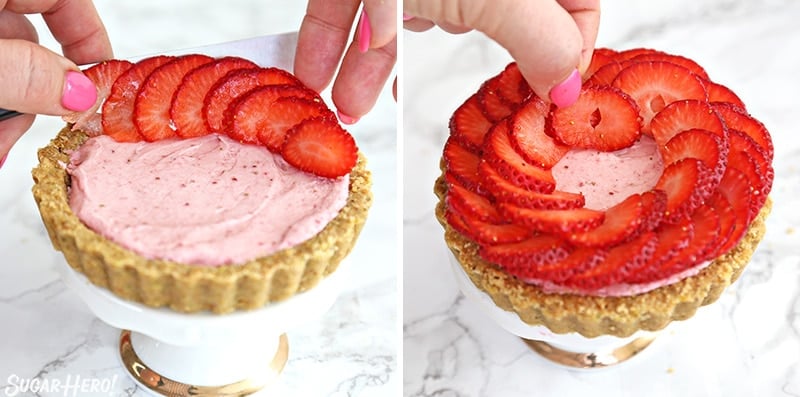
(257, 116)
(716, 159)
(151, 109)
(103, 75)
(186, 109)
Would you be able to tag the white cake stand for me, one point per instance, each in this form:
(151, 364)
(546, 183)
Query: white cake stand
(175, 354)
(570, 350)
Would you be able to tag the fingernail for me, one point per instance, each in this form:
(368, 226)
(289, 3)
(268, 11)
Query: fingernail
(3, 160)
(346, 119)
(79, 92)
(566, 93)
(407, 17)
(364, 32)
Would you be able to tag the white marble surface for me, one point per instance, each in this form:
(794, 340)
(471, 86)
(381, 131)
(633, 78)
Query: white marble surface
(746, 344)
(47, 332)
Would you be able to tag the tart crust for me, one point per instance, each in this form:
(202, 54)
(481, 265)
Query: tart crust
(593, 316)
(182, 287)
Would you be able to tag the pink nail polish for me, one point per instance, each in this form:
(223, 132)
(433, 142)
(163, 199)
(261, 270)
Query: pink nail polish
(364, 32)
(407, 17)
(3, 160)
(346, 119)
(566, 93)
(79, 92)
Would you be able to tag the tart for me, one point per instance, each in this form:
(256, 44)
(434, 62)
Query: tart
(191, 101)
(630, 209)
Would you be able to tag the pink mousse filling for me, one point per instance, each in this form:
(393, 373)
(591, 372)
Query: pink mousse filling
(205, 201)
(606, 179)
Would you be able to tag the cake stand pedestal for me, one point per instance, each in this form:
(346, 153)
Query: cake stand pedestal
(570, 350)
(176, 354)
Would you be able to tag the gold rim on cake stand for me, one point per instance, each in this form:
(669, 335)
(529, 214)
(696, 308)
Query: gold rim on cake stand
(591, 360)
(168, 387)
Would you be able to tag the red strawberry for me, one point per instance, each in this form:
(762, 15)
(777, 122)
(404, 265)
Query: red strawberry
(700, 144)
(603, 118)
(655, 205)
(485, 232)
(500, 154)
(506, 192)
(512, 87)
(152, 104)
(468, 124)
(462, 164)
(622, 222)
(494, 106)
(118, 108)
(674, 59)
(735, 188)
(738, 119)
(750, 158)
(186, 110)
(686, 115)
(537, 250)
(720, 93)
(687, 182)
(529, 138)
(654, 85)
(579, 260)
(606, 74)
(470, 203)
(103, 75)
(456, 221)
(256, 116)
(727, 221)
(575, 220)
(634, 52)
(672, 239)
(235, 83)
(706, 232)
(320, 146)
(617, 265)
(600, 58)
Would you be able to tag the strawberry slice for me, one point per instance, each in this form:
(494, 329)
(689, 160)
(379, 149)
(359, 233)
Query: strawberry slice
(737, 118)
(654, 85)
(700, 144)
(456, 221)
(654, 203)
(727, 221)
(688, 183)
(485, 232)
(672, 239)
(622, 222)
(528, 136)
(468, 124)
(687, 63)
(152, 104)
(534, 251)
(735, 188)
(500, 154)
(506, 192)
(750, 158)
(617, 265)
(470, 203)
(256, 116)
(720, 93)
(462, 164)
(600, 58)
(562, 222)
(186, 109)
(685, 115)
(512, 87)
(603, 118)
(706, 224)
(606, 74)
(234, 84)
(321, 147)
(118, 108)
(103, 75)
(634, 52)
(579, 260)
(494, 107)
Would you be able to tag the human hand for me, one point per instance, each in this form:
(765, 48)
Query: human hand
(36, 80)
(551, 40)
(367, 62)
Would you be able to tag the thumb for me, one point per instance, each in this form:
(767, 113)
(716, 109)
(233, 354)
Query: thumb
(38, 81)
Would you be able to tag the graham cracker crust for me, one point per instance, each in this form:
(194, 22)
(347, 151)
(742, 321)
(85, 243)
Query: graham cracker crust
(182, 287)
